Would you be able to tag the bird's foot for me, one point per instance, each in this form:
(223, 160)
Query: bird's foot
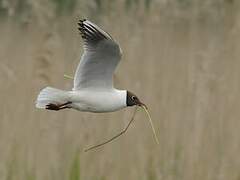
(57, 107)
(54, 107)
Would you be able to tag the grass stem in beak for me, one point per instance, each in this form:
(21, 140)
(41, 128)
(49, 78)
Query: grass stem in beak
(114, 137)
(144, 107)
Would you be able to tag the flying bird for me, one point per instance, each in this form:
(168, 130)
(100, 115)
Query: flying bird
(93, 89)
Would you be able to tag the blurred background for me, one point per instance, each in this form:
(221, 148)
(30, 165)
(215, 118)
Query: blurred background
(181, 57)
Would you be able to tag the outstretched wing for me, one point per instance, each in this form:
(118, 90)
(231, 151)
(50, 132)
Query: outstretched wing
(99, 60)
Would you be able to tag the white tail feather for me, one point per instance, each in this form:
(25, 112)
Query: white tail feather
(51, 95)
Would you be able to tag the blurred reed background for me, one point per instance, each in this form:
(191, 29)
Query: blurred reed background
(181, 57)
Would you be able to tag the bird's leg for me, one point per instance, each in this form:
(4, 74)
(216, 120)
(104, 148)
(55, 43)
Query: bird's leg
(57, 107)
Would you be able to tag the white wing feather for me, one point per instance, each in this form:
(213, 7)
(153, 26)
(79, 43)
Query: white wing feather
(99, 60)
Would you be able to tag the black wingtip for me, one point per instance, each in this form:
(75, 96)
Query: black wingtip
(82, 20)
(81, 23)
(89, 32)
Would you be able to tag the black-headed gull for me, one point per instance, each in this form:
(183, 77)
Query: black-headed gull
(93, 89)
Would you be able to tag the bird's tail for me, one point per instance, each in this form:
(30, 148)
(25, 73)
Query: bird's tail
(51, 95)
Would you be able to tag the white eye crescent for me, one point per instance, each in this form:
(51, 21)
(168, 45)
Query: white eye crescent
(134, 98)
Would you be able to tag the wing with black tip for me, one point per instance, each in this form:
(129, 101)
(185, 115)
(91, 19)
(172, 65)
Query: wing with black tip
(99, 60)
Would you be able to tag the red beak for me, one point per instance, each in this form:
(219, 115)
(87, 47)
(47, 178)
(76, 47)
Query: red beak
(142, 104)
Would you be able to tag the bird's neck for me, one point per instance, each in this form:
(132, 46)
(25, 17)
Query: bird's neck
(122, 96)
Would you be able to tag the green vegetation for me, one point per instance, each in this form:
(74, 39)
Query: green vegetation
(64, 6)
(75, 168)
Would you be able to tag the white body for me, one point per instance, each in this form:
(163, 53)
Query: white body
(98, 101)
(84, 100)
(92, 87)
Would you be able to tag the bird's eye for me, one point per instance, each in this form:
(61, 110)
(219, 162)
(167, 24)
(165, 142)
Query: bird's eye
(134, 98)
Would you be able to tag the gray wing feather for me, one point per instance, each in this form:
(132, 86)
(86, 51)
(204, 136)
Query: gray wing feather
(99, 60)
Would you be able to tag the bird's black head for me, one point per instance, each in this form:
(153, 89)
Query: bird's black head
(132, 100)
